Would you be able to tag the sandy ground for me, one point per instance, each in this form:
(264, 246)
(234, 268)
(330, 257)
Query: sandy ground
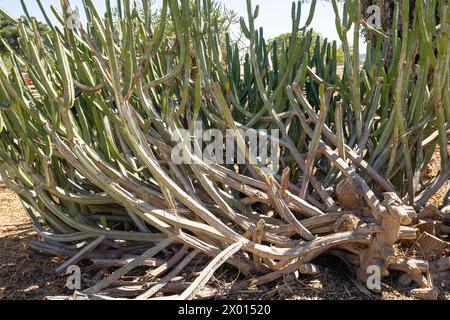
(22, 274)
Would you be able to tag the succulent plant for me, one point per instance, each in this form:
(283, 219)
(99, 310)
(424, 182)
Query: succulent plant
(90, 150)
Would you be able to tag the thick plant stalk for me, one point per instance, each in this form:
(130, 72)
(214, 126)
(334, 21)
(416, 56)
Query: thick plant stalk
(315, 142)
(80, 254)
(127, 268)
(206, 274)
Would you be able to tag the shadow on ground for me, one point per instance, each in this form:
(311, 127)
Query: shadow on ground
(24, 275)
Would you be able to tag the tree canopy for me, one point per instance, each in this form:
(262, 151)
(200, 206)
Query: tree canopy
(10, 34)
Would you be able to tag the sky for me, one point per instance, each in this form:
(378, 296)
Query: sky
(275, 15)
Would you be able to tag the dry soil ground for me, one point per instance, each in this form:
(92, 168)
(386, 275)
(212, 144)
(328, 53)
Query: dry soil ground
(22, 275)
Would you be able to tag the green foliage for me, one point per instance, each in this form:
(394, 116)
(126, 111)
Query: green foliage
(283, 42)
(10, 34)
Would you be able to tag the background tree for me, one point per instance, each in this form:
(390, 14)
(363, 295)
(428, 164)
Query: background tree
(387, 10)
(10, 34)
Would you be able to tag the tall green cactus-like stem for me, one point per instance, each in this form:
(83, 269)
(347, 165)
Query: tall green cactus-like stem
(91, 149)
